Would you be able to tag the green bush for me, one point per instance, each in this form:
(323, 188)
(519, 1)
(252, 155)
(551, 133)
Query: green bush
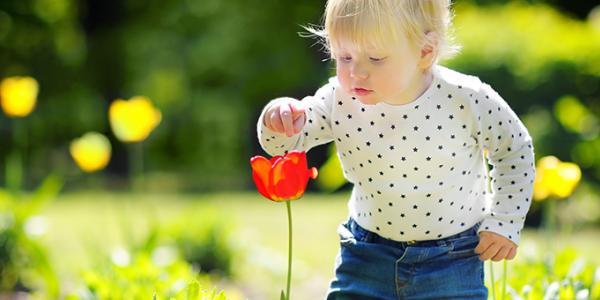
(202, 238)
(564, 275)
(531, 41)
(156, 275)
(24, 264)
(210, 67)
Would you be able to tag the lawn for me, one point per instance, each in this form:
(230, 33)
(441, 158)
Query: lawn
(83, 227)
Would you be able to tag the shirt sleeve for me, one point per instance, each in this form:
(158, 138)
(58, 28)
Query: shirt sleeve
(316, 131)
(510, 152)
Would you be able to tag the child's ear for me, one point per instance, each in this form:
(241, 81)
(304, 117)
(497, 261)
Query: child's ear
(429, 50)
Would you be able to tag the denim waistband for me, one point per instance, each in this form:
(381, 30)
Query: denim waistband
(371, 237)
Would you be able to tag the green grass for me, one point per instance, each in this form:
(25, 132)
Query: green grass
(84, 227)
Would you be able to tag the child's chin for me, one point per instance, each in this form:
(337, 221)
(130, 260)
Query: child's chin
(368, 101)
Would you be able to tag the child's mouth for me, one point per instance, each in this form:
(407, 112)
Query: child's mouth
(361, 91)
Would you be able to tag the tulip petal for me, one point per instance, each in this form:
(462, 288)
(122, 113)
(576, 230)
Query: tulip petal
(18, 95)
(555, 178)
(569, 175)
(282, 177)
(286, 180)
(298, 158)
(91, 152)
(261, 167)
(274, 159)
(133, 120)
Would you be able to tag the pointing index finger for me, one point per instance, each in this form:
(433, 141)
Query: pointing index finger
(286, 118)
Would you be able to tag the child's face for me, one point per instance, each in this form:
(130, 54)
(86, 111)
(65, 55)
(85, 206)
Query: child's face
(391, 75)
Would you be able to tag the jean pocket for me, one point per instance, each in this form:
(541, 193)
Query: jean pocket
(463, 246)
(346, 236)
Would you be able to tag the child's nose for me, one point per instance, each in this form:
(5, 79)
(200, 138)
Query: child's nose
(359, 72)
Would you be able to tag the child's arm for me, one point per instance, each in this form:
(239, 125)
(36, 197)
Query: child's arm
(287, 124)
(510, 152)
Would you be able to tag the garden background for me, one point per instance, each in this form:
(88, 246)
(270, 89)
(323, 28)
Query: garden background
(131, 217)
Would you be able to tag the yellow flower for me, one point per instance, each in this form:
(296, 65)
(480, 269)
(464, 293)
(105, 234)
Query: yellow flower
(555, 178)
(18, 96)
(133, 120)
(91, 152)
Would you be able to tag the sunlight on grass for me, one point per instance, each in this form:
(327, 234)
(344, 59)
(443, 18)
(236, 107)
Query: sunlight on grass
(88, 226)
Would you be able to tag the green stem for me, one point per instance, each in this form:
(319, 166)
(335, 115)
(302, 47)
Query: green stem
(289, 275)
(549, 211)
(493, 284)
(14, 161)
(503, 280)
(566, 228)
(14, 172)
(136, 166)
(489, 188)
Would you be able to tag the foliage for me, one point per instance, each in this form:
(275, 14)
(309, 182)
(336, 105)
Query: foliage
(147, 276)
(210, 67)
(534, 41)
(562, 275)
(194, 291)
(24, 264)
(198, 60)
(171, 263)
(203, 239)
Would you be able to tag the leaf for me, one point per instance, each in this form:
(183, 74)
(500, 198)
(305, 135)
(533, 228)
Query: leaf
(37, 256)
(46, 192)
(193, 291)
(552, 291)
(221, 296)
(283, 297)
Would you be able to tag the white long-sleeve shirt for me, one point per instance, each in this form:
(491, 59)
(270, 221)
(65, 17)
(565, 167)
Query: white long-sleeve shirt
(418, 169)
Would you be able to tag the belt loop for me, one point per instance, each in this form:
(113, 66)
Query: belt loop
(368, 236)
(442, 243)
(478, 225)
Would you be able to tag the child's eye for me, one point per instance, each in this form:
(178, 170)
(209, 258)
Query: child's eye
(376, 59)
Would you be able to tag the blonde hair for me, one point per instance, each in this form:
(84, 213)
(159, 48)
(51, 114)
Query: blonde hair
(379, 23)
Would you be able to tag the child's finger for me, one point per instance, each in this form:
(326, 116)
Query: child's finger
(512, 253)
(276, 124)
(490, 252)
(501, 254)
(299, 123)
(484, 243)
(285, 113)
(297, 108)
(267, 119)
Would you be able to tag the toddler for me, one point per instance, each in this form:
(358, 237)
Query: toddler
(411, 136)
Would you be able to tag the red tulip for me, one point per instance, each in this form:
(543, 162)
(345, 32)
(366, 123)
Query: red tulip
(283, 177)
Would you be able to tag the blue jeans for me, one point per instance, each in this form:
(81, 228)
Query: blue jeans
(369, 266)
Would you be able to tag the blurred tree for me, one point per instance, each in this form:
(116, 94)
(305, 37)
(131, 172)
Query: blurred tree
(578, 8)
(211, 65)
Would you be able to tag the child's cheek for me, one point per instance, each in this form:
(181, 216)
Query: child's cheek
(344, 79)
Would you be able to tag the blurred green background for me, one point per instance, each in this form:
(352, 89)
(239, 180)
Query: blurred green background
(210, 66)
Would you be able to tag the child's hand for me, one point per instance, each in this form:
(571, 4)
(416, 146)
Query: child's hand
(285, 115)
(494, 246)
